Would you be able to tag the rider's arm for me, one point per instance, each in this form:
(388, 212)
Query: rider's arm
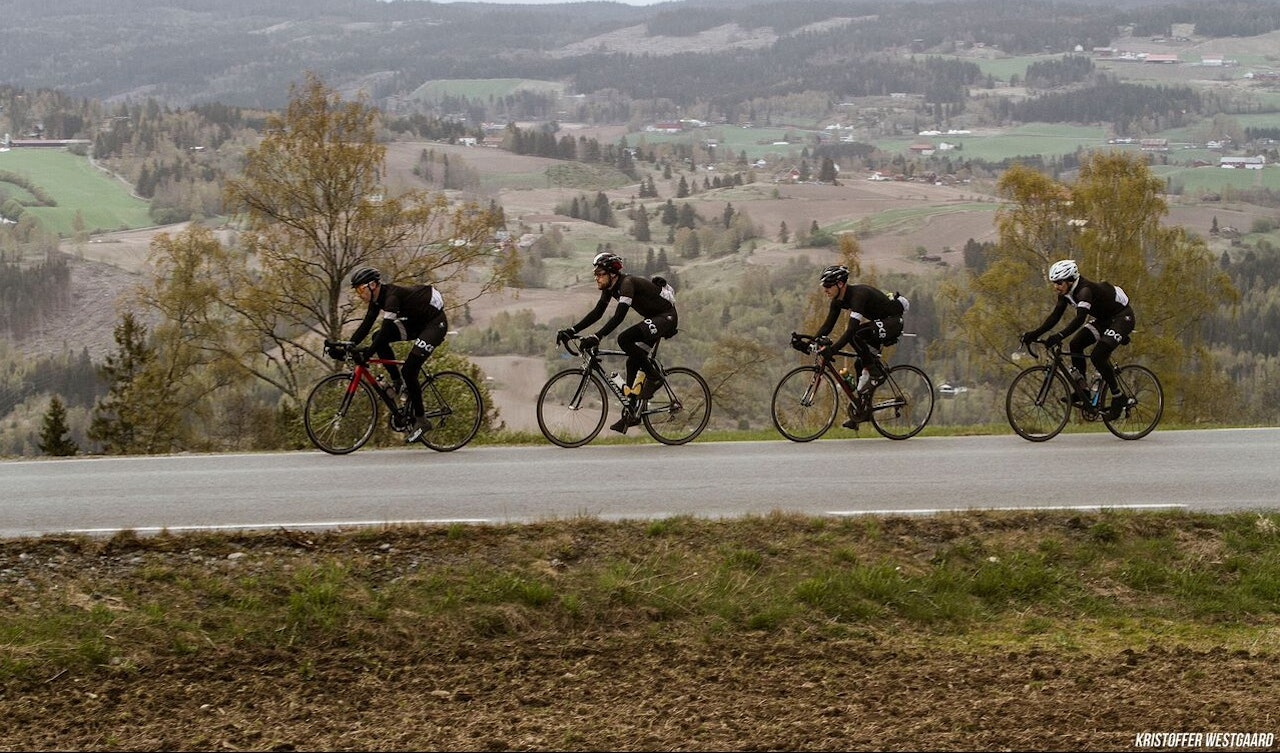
(594, 314)
(1082, 314)
(833, 313)
(1052, 319)
(370, 317)
(855, 320)
(619, 313)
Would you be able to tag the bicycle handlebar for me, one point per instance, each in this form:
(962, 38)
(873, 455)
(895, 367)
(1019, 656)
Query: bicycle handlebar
(810, 346)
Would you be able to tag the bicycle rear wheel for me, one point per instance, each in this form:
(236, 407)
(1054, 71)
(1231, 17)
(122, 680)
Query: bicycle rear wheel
(804, 404)
(903, 403)
(572, 408)
(453, 406)
(680, 409)
(336, 423)
(1141, 386)
(1038, 403)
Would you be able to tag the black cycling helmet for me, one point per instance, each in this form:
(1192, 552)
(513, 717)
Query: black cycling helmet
(365, 275)
(834, 274)
(611, 263)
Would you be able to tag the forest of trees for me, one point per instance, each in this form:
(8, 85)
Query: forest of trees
(182, 157)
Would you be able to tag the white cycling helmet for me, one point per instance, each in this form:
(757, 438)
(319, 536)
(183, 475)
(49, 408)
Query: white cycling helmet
(1064, 271)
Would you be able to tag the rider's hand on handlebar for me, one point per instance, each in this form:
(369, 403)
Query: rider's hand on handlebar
(336, 351)
(1053, 340)
(564, 335)
(589, 342)
(1027, 338)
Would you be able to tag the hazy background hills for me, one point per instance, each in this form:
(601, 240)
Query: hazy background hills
(247, 54)
(732, 111)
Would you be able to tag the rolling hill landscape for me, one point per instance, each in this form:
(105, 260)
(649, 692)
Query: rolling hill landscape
(987, 631)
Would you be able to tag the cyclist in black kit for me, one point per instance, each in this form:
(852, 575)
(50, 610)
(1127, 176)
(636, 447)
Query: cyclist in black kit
(875, 320)
(1112, 323)
(414, 313)
(652, 299)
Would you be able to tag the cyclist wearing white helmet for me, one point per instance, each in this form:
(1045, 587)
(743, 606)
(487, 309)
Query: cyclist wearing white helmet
(652, 299)
(875, 320)
(413, 313)
(1112, 321)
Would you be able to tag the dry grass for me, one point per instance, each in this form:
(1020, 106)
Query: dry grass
(584, 635)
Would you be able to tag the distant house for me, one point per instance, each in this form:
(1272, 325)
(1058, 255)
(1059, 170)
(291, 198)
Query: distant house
(1161, 58)
(1248, 163)
(1212, 59)
(665, 128)
(923, 150)
(48, 143)
(1154, 145)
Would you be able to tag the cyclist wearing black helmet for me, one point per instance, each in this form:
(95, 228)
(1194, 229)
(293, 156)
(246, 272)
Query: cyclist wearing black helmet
(654, 301)
(1112, 323)
(413, 313)
(875, 320)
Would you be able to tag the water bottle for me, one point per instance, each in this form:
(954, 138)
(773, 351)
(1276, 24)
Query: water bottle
(1096, 395)
(618, 381)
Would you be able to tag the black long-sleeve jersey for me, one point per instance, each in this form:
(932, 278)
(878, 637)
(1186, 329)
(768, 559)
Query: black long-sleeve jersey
(405, 310)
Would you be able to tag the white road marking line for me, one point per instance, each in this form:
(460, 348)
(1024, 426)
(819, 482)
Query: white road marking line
(1031, 508)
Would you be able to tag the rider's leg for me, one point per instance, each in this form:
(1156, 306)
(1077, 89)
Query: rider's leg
(1101, 358)
(866, 343)
(1081, 342)
(424, 345)
(638, 342)
(386, 353)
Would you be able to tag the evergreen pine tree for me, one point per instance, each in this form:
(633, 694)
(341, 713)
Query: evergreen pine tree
(113, 423)
(53, 436)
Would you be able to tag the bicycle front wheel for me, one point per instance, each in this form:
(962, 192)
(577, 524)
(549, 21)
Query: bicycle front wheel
(804, 404)
(572, 408)
(903, 403)
(453, 406)
(339, 419)
(1139, 419)
(1038, 404)
(680, 409)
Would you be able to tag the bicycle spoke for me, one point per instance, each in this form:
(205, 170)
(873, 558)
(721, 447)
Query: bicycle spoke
(572, 408)
(903, 404)
(454, 409)
(1038, 404)
(804, 404)
(1142, 389)
(338, 424)
(680, 409)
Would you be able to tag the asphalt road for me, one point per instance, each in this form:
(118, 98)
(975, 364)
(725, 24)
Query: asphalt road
(1211, 470)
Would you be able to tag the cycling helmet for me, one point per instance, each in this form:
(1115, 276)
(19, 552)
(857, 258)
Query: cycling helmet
(834, 274)
(611, 263)
(1064, 271)
(365, 275)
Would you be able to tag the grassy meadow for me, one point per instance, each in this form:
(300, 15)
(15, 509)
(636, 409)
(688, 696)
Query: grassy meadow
(104, 202)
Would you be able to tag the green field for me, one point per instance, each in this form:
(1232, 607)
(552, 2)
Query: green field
(104, 202)
(1202, 179)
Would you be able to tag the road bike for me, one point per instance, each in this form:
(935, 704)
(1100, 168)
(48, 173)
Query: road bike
(342, 410)
(808, 398)
(1041, 397)
(574, 404)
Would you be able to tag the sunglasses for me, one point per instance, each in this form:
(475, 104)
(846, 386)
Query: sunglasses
(830, 284)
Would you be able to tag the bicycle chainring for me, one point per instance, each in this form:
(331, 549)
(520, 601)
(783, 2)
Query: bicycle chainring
(399, 422)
